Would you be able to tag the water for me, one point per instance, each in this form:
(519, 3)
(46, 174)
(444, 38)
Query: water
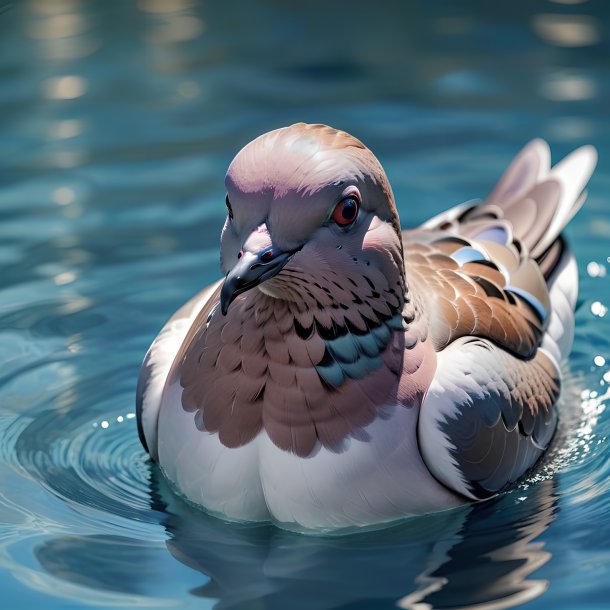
(117, 122)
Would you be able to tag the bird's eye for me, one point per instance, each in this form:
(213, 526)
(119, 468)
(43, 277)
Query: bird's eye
(346, 211)
(229, 208)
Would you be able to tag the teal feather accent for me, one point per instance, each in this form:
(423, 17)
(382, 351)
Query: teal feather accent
(332, 374)
(343, 348)
(362, 367)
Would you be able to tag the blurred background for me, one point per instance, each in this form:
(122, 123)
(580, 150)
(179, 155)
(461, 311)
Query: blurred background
(118, 119)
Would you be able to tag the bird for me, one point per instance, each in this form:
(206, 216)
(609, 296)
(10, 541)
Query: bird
(346, 374)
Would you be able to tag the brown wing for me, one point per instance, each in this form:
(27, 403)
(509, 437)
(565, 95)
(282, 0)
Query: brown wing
(478, 287)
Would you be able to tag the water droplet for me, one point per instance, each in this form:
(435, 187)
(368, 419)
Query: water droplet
(596, 270)
(598, 309)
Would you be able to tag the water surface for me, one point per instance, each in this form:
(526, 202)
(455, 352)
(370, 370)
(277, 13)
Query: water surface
(117, 122)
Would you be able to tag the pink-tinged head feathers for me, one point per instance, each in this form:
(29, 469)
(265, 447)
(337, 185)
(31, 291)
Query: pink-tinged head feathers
(291, 178)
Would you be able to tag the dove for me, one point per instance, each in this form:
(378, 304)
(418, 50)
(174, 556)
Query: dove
(346, 374)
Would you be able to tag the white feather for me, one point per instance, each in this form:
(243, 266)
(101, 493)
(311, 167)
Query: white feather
(225, 481)
(160, 358)
(572, 173)
(451, 388)
(563, 292)
(380, 479)
(370, 481)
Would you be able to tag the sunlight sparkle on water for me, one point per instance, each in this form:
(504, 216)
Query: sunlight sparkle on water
(598, 309)
(65, 87)
(64, 195)
(594, 269)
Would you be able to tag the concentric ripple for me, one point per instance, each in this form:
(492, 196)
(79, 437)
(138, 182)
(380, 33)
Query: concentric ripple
(96, 464)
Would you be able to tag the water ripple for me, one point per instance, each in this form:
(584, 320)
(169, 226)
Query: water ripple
(118, 122)
(88, 464)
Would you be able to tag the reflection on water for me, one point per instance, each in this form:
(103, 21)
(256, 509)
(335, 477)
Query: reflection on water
(491, 566)
(481, 556)
(118, 121)
(567, 30)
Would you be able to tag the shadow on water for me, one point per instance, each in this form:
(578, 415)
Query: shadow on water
(482, 556)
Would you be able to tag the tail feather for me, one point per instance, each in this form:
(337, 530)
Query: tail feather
(548, 261)
(529, 167)
(572, 173)
(518, 228)
(538, 200)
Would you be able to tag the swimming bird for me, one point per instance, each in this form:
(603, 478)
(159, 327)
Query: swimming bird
(345, 373)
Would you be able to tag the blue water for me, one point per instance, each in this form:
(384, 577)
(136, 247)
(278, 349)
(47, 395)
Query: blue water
(117, 121)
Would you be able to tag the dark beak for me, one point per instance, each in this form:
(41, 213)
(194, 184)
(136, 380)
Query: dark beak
(251, 270)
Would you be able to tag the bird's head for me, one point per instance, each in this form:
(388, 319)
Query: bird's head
(306, 204)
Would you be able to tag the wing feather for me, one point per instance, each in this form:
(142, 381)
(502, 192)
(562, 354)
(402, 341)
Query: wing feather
(488, 417)
(158, 362)
(502, 298)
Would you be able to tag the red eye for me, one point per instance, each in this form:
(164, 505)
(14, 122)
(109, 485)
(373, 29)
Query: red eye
(229, 208)
(346, 211)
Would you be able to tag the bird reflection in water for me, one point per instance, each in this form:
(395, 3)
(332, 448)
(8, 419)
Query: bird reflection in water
(482, 555)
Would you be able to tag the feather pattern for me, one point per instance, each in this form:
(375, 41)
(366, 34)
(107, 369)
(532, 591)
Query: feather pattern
(480, 431)
(240, 374)
(477, 298)
(453, 331)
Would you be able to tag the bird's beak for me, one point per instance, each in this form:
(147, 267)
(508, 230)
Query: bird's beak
(252, 269)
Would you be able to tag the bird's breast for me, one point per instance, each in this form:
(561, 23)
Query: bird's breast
(376, 477)
(305, 378)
